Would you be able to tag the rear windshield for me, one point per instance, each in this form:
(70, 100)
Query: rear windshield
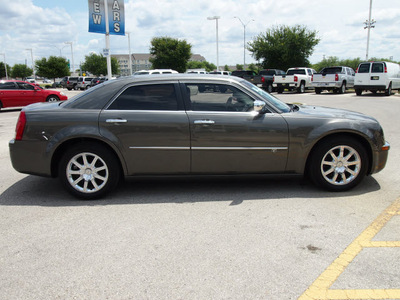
(377, 68)
(298, 71)
(364, 68)
(332, 70)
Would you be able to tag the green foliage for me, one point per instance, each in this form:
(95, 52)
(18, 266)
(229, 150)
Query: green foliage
(169, 53)
(21, 71)
(282, 47)
(253, 67)
(226, 68)
(239, 67)
(54, 67)
(200, 65)
(97, 64)
(3, 70)
(332, 61)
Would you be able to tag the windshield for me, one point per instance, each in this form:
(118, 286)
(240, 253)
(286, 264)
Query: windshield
(267, 97)
(296, 71)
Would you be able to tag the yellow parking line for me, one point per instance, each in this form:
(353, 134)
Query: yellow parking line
(319, 290)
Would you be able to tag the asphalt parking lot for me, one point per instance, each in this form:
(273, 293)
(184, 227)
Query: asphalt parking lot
(222, 238)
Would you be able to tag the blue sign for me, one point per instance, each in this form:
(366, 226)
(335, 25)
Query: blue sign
(116, 16)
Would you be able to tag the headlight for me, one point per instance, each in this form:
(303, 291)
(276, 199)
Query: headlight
(62, 94)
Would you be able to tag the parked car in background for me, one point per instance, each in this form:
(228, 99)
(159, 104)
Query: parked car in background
(336, 79)
(248, 75)
(221, 73)
(377, 76)
(71, 83)
(15, 93)
(84, 82)
(193, 125)
(45, 80)
(155, 72)
(267, 78)
(298, 79)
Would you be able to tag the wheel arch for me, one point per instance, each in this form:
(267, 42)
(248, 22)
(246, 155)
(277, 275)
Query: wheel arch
(59, 152)
(361, 139)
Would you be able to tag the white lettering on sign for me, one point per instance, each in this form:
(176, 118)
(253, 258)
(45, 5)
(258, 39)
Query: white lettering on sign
(96, 7)
(115, 5)
(117, 16)
(96, 19)
(116, 27)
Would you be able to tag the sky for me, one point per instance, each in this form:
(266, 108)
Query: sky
(45, 25)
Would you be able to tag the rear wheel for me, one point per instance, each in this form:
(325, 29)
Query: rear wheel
(342, 89)
(89, 171)
(318, 90)
(338, 164)
(358, 92)
(269, 88)
(388, 91)
(302, 88)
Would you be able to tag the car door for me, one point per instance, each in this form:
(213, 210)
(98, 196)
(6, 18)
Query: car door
(148, 124)
(363, 75)
(227, 136)
(8, 94)
(28, 94)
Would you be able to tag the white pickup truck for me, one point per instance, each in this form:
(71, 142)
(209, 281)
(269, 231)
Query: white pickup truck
(335, 79)
(298, 79)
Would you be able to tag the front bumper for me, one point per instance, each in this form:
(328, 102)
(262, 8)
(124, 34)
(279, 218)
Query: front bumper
(381, 157)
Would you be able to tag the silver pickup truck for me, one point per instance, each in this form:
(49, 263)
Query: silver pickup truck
(336, 79)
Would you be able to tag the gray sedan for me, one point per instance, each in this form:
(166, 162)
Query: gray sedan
(191, 125)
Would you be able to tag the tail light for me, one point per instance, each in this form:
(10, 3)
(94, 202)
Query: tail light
(296, 78)
(68, 82)
(357, 70)
(385, 69)
(336, 77)
(262, 79)
(273, 79)
(312, 77)
(19, 130)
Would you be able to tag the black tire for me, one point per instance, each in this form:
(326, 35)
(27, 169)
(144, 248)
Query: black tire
(89, 171)
(358, 92)
(338, 164)
(280, 90)
(52, 98)
(270, 89)
(388, 91)
(318, 90)
(302, 88)
(342, 89)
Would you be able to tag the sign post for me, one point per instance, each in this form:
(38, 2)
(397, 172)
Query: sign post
(107, 17)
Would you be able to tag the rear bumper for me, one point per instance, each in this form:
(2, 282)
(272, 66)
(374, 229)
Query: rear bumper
(327, 85)
(370, 87)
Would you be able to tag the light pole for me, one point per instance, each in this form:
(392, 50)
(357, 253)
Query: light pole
(33, 67)
(244, 40)
(130, 55)
(5, 65)
(369, 24)
(72, 55)
(216, 24)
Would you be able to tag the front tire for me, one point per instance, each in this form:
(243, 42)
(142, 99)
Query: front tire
(89, 171)
(338, 164)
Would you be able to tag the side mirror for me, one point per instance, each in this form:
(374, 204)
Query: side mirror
(259, 106)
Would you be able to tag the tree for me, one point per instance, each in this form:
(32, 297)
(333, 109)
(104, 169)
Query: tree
(282, 47)
(169, 53)
(239, 67)
(97, 64)
(54, 67)
(21, 71)
(3, 70)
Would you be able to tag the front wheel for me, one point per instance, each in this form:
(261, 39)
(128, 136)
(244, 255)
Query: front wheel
(52, 98)
(89, 171)
(338, 164)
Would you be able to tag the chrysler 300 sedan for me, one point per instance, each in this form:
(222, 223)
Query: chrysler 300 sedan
(191, 125)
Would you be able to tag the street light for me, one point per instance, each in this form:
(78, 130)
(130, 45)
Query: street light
(72, 55)
(33, 68)
(244, 40)
(369, 24)
(5, 65)
(216, 24)
(130, 55)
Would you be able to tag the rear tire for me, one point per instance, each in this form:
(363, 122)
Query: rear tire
(302, 88)
(358, 92)
(338, 164)
(388, 91)
(342, 89)
(89, 171)
(318, 90)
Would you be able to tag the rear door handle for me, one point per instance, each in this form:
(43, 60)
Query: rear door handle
(204, 122)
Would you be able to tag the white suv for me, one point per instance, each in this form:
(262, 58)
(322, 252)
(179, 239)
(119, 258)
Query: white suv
(156, 71)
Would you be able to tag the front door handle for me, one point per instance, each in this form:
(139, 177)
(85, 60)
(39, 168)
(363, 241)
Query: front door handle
(204, 122)
(116, 121)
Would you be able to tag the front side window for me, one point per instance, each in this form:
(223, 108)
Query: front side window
(25, 86)
(147, 97)
(218, 97)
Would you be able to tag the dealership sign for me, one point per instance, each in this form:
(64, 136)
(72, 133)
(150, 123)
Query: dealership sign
(103, 11)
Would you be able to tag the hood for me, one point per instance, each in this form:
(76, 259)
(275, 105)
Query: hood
(333, 113)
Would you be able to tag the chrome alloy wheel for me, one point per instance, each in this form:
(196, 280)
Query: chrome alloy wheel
(87, 172)
(341, 165)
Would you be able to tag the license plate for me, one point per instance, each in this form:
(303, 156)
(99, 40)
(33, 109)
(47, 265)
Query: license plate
(374, 77)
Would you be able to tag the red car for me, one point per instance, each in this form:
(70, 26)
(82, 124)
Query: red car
(14, 93)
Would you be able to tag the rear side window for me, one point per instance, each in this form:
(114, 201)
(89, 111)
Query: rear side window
(7, 86)
(147, 97)
(364, 68)
(377, 68)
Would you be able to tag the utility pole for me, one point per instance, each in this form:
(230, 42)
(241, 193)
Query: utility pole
(368, 25)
